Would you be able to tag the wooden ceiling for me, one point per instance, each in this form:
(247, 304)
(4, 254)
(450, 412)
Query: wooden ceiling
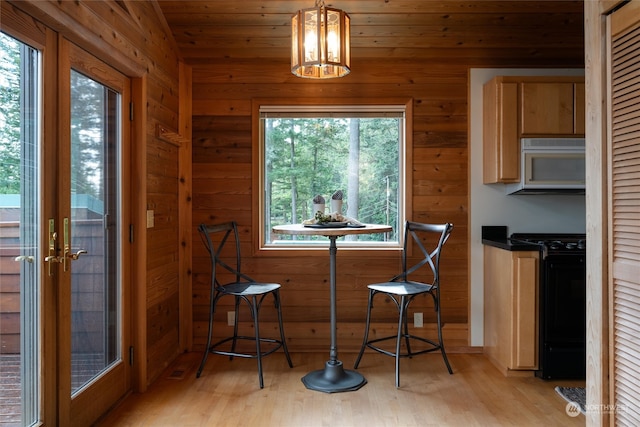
(223, 30)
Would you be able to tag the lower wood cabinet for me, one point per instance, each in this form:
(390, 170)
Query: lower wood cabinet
(511, 309)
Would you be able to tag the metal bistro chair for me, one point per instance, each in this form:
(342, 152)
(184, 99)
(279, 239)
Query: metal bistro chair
(402, 290)
(220, 240)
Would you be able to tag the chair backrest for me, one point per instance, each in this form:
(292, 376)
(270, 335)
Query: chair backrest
(223, 244)
(423, 235)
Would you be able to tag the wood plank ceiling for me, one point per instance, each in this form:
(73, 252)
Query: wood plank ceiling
(209, 31)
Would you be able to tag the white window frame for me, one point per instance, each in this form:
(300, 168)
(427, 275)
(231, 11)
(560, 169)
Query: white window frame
(323, 107)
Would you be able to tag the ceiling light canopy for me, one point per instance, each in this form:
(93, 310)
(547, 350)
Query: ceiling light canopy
(321, 42)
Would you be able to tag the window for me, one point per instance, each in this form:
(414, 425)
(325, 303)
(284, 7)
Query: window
(318, 151)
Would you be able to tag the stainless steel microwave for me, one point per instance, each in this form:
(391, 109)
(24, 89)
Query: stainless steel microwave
(551, 165)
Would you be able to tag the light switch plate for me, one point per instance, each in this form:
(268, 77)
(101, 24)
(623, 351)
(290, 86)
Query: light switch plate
(150, 222)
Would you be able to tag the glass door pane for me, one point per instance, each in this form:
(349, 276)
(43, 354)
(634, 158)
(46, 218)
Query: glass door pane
(95, 290)
(19, 233)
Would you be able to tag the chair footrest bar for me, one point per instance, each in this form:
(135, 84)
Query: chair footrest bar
(213, 348)
(434, 345)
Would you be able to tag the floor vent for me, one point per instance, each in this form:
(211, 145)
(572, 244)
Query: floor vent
(178, 372)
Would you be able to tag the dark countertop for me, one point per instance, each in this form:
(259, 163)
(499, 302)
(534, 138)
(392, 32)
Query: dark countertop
(510, 245)
(496, 236)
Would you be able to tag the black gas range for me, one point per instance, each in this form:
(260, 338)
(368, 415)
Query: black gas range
(562, 297)
(554, 244)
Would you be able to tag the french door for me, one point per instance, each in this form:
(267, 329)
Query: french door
(92, 236)
(64, 232)
(21, 277)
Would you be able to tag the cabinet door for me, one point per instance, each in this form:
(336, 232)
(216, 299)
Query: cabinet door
(547, 109)
(510, 308)
(524, 354)
(501, 147)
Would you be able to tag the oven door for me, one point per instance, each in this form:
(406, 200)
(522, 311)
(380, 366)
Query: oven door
(563, 317)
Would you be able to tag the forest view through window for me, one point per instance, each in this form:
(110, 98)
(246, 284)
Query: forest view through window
(316, 152)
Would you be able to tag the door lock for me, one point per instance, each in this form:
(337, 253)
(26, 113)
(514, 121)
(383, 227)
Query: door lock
(52, 257)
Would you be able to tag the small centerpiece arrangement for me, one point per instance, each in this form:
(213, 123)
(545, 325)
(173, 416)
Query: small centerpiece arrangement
(334, 218)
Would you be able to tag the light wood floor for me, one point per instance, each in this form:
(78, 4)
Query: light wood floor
(227, 394)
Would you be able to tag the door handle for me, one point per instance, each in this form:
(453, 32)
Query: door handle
(27, 258)
(76, 255)
(67, 247)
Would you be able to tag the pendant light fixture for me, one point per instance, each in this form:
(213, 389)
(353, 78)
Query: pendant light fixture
(320, 42)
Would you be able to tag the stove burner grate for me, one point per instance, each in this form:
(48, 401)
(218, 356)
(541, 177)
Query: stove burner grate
(552, 243)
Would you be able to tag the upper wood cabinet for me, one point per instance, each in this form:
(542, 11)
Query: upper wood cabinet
(519, 107)
(552, 109)
(501, 146)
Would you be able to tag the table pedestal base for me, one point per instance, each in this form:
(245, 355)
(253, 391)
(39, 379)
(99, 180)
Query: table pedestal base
(333, 379)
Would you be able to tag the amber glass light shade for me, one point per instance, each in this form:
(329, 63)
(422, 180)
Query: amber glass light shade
(320, 43)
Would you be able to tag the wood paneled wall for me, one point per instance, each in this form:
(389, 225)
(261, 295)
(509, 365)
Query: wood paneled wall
(222, 166)
(222, 185)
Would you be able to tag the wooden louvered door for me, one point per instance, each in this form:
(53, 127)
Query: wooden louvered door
(624, 208)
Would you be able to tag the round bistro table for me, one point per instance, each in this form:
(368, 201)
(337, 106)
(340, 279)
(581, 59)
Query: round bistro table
(333, 378)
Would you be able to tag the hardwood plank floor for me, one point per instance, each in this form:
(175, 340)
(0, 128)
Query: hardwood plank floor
(227, 394)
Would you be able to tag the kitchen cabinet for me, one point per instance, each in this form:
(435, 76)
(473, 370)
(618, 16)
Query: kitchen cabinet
(501, 145)
(552, 109)
(511, 309)
(518, 107)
